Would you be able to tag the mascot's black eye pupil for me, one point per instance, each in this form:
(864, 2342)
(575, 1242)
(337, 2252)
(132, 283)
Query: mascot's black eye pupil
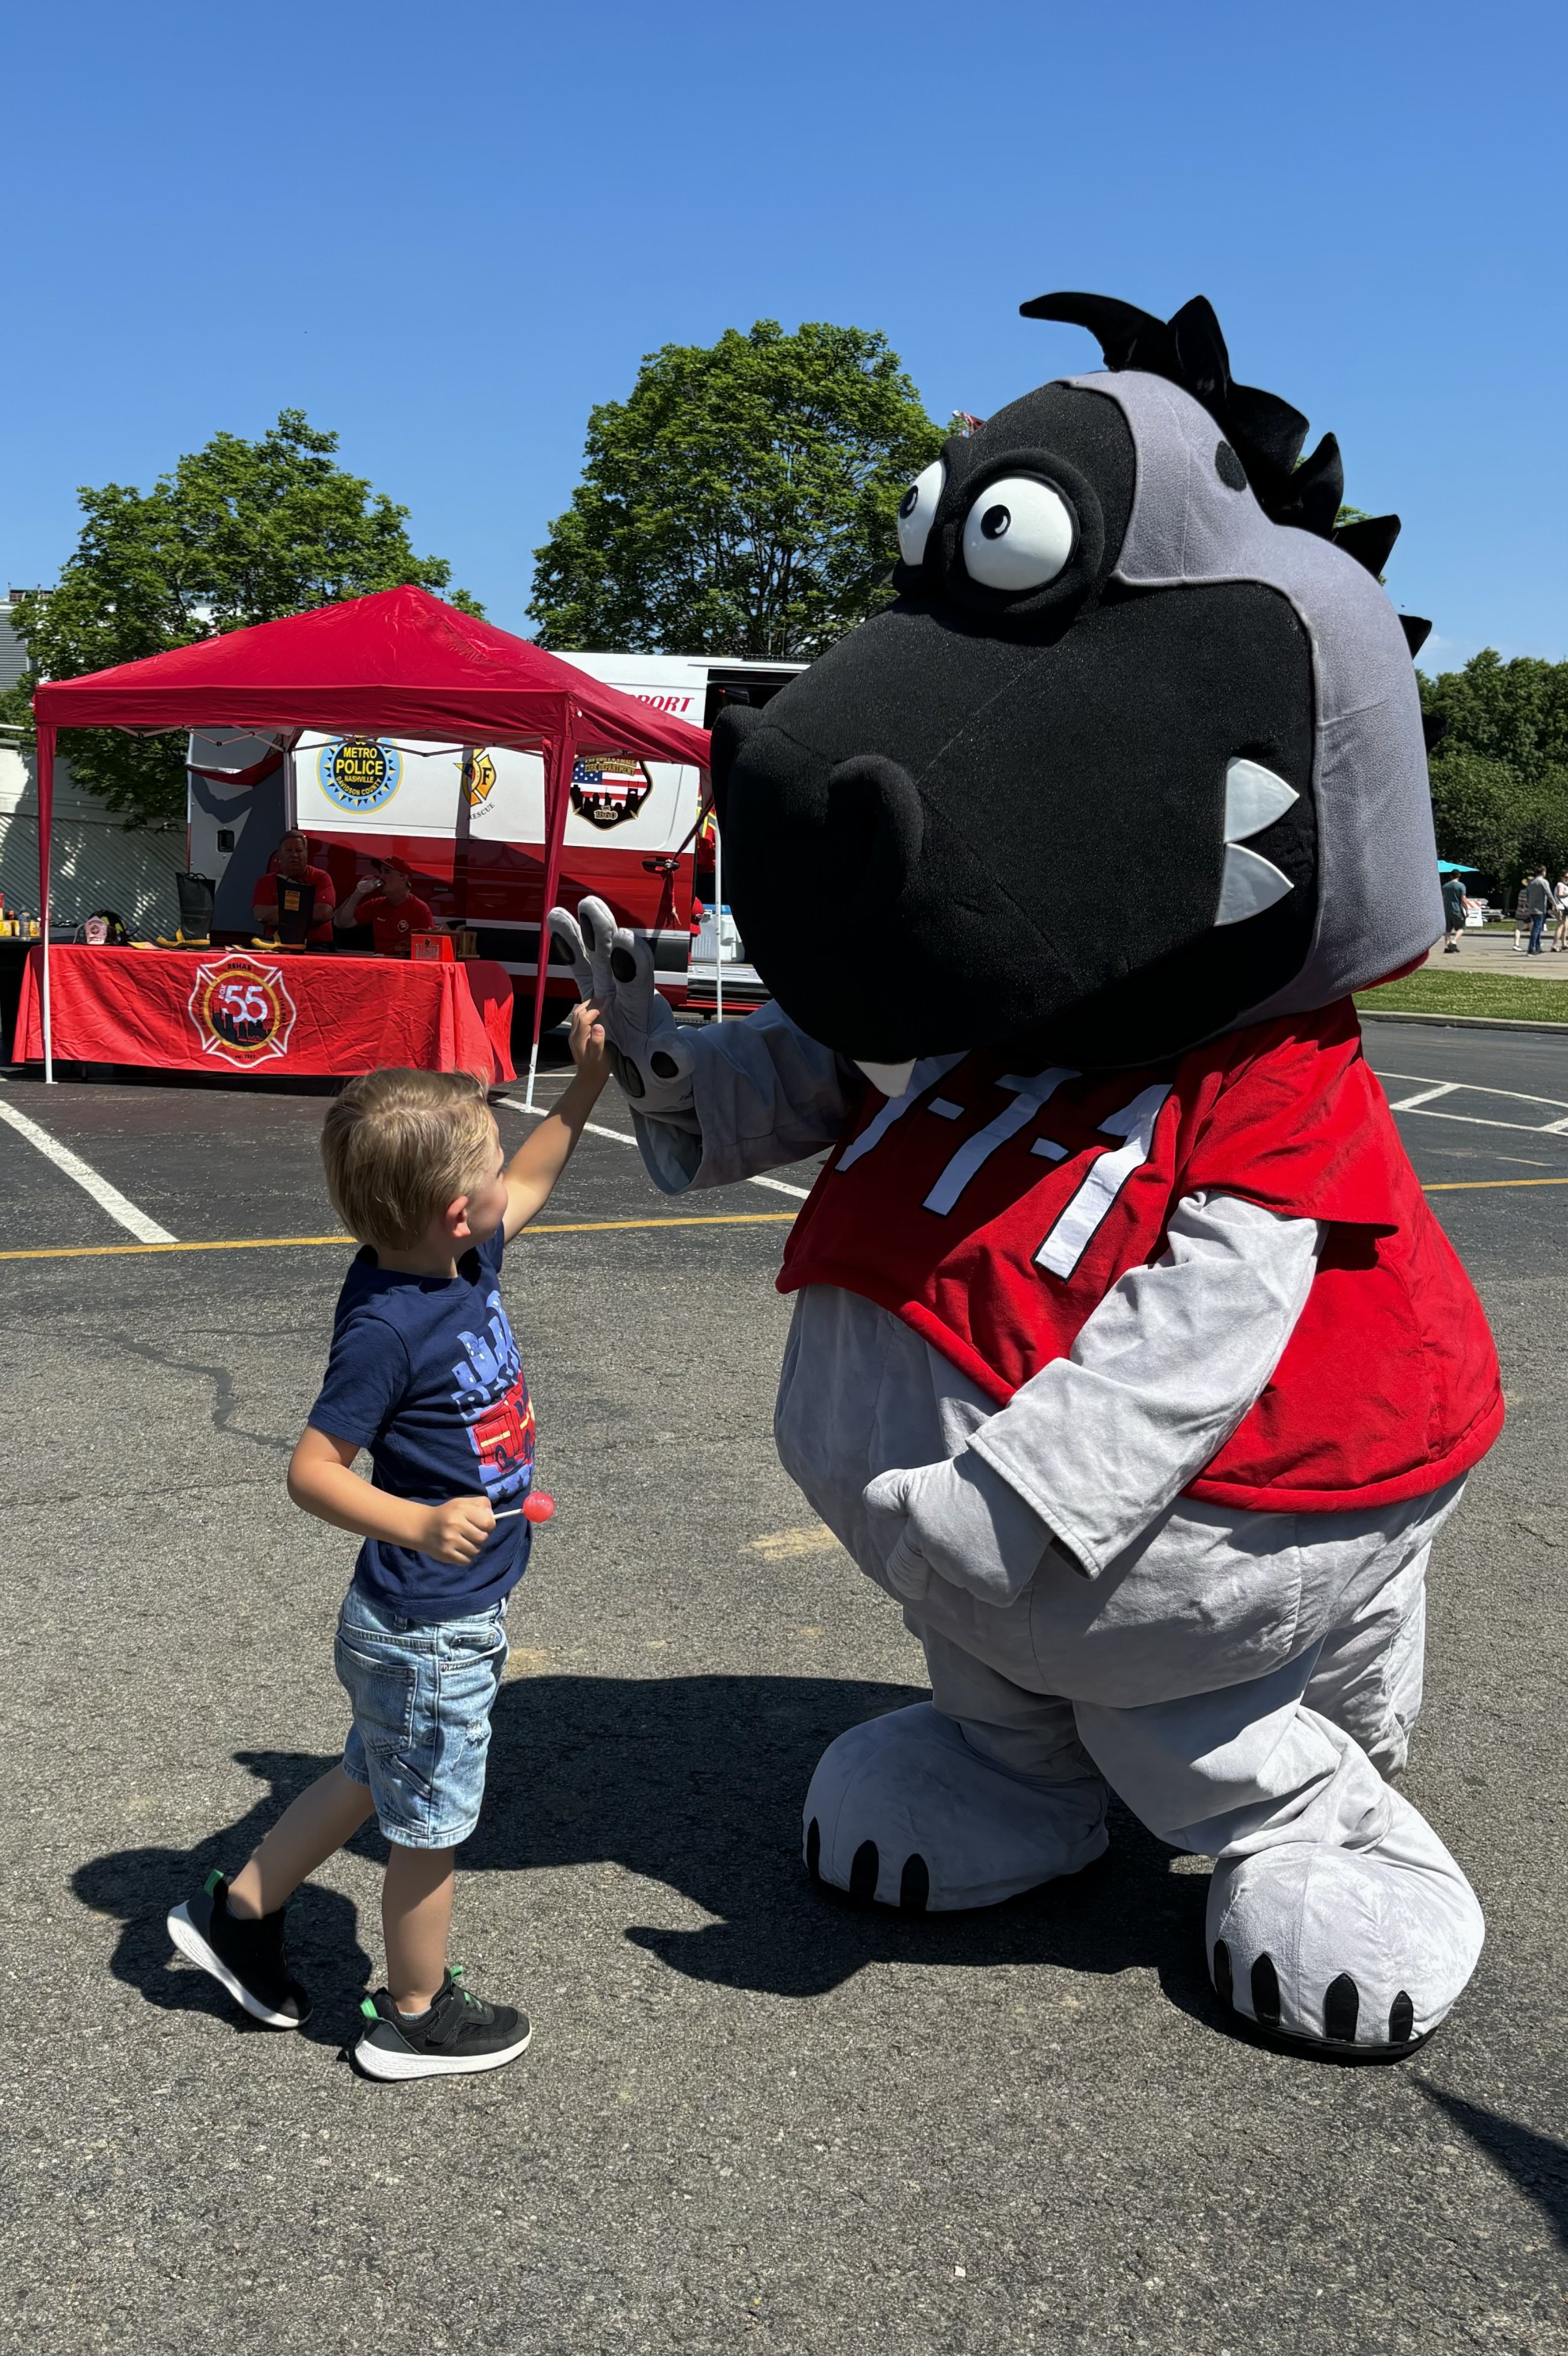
(994, 521)
(910, 500)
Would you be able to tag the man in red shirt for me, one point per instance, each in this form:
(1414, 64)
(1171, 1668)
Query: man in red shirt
(293, 863)
(394, 911)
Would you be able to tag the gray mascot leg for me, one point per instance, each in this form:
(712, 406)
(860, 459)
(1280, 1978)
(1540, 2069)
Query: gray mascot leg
(963, 1801)
(1335, 1915)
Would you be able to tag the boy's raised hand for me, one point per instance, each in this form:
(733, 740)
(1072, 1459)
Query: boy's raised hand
(649, 1055)
(457, 1530)
(590, 1049)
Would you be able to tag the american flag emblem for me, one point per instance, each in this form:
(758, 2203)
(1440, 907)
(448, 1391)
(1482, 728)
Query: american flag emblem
(608, 788)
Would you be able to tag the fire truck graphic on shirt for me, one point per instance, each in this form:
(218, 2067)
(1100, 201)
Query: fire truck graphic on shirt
(492, 1399)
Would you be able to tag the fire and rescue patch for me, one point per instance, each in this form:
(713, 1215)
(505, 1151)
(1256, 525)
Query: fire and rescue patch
(478, 777)
(608, 788)
(242, 1009)
(359, 772)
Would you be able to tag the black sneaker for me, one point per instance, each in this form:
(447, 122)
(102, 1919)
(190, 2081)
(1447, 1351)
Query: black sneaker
(458, 2033)
(247, 1957)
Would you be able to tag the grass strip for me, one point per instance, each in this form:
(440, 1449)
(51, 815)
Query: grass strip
(1495, 994)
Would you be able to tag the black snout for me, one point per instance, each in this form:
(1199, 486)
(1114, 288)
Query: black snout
(872, 832)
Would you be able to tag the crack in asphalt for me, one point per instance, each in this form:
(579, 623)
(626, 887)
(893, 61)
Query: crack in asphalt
(226, 1398)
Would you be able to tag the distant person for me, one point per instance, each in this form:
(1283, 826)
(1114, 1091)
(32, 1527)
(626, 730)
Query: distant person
(1540, 904)
(1453, 913)
(292, 862)
(416, 1169)
(393, 910)
(1559, 939)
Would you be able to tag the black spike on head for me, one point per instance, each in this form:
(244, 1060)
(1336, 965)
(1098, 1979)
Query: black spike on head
(1314, 493)
(1128, 337)
(1369, 539)
(1200, 352)
(1416, 633)
(1269, 432)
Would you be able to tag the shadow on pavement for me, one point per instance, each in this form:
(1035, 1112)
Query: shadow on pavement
(1536, 2164)
(140, 1885)
(696, 1783)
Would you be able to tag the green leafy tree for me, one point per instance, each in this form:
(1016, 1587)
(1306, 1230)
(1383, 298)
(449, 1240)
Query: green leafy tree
(743, 500)
(1499, 776)
(240, 532)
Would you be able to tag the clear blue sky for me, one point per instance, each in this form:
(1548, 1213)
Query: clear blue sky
(446, 230)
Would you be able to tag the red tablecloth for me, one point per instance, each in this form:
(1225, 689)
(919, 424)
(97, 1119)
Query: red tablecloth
(252, 1010)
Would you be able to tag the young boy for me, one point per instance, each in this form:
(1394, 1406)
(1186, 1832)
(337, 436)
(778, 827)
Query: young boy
(425, 1374)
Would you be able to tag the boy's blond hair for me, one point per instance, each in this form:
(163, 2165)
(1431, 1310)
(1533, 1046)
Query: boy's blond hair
(399, 1146)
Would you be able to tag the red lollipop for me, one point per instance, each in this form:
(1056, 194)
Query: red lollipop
(538, 1508)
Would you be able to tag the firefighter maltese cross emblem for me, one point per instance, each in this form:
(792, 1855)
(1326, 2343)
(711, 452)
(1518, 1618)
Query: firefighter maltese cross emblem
(241, 1010)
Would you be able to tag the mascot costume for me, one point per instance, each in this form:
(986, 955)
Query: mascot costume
(1126, 1353)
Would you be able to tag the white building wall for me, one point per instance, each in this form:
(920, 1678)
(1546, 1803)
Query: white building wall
(97, 862)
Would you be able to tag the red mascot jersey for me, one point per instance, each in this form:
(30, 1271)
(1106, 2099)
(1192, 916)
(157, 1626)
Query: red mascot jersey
(994, 1210)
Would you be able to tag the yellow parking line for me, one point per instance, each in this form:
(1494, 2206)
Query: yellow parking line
(282, 1243)
(1470, 1185)
(582, 1227)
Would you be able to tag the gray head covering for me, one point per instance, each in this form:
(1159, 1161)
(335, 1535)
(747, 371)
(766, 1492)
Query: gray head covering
(1379, 905)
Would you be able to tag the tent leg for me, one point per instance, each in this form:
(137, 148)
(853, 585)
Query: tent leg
(46, 758)
(528, 1103)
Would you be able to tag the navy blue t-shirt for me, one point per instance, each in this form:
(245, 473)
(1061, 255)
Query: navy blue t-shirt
(425, 1372)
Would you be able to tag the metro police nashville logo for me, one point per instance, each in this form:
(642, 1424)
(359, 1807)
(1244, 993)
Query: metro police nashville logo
(358, 773)
(241, 1010)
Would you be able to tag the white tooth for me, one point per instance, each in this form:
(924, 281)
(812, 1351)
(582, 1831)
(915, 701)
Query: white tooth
(891, 1079)
(1249, 884)
(1254, 797)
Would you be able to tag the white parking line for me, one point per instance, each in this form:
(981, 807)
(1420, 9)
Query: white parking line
(621, 1137)
(108, 1198)
(1421, 1103)
(1422, 1096)
(1474, 1088)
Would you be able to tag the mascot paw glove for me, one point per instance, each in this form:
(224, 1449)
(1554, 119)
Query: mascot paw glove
(651, 1055)
(960, 1522)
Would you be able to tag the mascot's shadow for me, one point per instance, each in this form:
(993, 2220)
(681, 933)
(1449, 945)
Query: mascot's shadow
(696, 1782)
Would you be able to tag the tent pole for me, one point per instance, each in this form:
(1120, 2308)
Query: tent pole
(46, 737)
(559, 756)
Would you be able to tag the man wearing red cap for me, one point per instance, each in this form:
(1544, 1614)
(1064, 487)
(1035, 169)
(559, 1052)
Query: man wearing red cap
(394, 910)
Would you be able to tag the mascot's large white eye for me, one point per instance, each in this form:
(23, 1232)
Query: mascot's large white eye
(1018, 535)
(917, 512)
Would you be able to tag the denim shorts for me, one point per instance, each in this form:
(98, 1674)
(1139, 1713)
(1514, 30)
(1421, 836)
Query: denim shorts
(422, 1692)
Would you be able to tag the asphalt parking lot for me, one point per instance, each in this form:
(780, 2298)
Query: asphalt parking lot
(751, 2118)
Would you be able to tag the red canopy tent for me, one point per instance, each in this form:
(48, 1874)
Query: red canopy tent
(397, 664)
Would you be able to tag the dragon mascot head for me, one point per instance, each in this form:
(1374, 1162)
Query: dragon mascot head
(1134, 756)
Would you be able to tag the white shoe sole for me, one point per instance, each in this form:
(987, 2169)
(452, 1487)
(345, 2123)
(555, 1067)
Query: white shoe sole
(384, 2062)
(191, 1943)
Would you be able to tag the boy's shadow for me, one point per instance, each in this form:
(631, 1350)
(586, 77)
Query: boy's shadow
(696, 1783)
(140, 1885)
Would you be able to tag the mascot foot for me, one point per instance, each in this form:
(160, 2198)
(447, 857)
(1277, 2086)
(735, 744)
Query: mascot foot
(904, 1810)
(1358, 1952)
